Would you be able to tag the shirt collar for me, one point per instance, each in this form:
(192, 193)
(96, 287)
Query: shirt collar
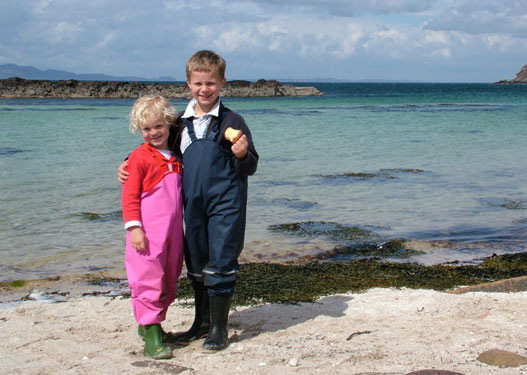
(189, 111)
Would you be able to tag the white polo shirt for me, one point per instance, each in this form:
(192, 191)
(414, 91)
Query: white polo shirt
(201, 124)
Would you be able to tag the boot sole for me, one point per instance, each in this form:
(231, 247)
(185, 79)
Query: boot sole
(187, 343)
(165, 355)
(212, 351)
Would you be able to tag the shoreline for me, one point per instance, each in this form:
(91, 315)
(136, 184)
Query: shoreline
(294, 282)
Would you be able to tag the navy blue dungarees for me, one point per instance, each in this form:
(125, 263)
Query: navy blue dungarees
(215, 208)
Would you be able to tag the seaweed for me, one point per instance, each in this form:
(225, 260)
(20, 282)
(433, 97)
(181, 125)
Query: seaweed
(401, 170)
(7, 151)
(92, 216)
(295, 203)
(279, 283)
(360, 175)
(394, 248)
(507, 203)
(260, 283)
(331, 230)
(17, 283)
(515, 263)
(511, 204)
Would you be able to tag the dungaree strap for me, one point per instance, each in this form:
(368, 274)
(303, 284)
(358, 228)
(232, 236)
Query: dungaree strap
(192, 132)
(190, 129)
(213, 132)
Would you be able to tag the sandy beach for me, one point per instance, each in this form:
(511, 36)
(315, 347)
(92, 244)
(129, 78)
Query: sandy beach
(380, 331)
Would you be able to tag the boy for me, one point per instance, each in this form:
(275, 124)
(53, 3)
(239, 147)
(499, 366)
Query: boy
(215, 191)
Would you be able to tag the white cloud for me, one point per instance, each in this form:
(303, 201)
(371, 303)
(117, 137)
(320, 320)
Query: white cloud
(107, 39)
(264, 37)
(436, 37)
(483, 17)
(237, 38)
(342, 8)
(442, 52)
(63, 31)
(501, 42)
(351, 38)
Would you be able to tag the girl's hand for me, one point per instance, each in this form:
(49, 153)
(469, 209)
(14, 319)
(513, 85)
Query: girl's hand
(138, 238)
(239, 149)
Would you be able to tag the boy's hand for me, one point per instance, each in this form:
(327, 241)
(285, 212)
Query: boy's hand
(122, 174)
(138, 238)
(239, 149)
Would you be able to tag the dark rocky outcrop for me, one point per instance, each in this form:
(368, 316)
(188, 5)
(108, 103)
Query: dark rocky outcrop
(521, 77)
(21, 88)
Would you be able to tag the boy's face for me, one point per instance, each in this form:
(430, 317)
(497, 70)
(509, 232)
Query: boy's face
(155, 132)
(205, 88)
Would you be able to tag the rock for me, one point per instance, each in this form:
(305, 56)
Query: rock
(39, 296)
(21, 88)
(521, 77)
(515, 284)
(502, 358)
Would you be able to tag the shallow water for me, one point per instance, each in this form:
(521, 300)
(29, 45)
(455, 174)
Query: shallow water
(440, 165)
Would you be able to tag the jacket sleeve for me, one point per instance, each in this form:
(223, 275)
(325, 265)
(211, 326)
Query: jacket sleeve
(132, 189)
(248, 165)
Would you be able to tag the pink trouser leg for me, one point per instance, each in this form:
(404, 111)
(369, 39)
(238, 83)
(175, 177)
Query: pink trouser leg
(146, 272)
(153, 277)
(153, 274)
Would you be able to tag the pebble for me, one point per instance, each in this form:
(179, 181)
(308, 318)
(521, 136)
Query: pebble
(502, 358)
(39, 296)
(293, 362)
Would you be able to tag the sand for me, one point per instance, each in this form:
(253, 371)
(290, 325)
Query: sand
(380, 331)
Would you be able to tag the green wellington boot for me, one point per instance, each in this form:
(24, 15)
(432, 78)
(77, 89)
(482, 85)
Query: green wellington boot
(166, 337)
(219, 315)
(200, 327)
(154, 347)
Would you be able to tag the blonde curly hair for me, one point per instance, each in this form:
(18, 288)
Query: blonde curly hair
(149, 105)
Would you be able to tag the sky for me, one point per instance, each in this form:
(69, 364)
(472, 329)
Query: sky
(396, 40)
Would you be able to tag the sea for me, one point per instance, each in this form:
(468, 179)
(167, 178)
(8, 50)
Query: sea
(441, 168)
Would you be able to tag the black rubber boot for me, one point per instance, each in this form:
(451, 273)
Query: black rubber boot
(219, 316)
(201, 325)
(154, 347)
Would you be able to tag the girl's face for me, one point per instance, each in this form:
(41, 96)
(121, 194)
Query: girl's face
(155, 132)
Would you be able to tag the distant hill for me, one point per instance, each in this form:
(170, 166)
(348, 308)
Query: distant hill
(30, 72)
(337, 80)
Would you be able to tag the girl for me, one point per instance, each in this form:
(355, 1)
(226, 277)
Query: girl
(152, 211)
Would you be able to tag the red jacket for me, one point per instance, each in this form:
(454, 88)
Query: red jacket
(147, 167)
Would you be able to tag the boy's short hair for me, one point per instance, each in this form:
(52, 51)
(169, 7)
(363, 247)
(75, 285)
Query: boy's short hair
(149, 105)
(206, 61)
